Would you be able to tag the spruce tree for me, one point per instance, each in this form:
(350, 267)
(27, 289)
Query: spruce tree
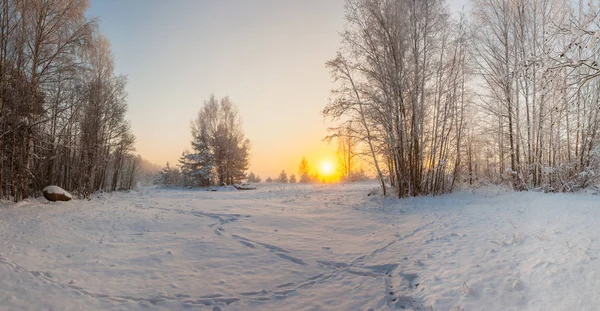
(200, 162)
(185, 167)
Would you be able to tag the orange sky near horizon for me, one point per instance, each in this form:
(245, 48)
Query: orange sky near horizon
(268, 56)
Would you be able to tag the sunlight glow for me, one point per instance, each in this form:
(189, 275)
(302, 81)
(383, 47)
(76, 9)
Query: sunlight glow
(327, 169)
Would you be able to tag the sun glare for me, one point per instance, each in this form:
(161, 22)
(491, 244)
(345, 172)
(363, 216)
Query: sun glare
(327, 169)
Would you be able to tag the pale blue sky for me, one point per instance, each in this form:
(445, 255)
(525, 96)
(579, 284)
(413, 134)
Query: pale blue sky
(267, 55)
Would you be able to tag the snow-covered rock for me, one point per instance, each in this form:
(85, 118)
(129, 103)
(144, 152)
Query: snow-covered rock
(56, 193)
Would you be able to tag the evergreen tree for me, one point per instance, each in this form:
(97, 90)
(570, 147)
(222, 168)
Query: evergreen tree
(239, 165)
(293, 179)
(283, 178)
(304, 171)
(220, 126)
(253, 178)
(200, 163)
(269, 179)
(185, 169)
(168, 176)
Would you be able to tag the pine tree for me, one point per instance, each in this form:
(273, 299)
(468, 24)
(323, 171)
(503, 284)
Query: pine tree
(239, 165)
(185, 167)
(283, 178)
(253, 178)
(168, 176)
(163, 176)
(304, 171)
(200, 162)
(293, 179)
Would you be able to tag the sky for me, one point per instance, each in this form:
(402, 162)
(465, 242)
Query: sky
(268, 56)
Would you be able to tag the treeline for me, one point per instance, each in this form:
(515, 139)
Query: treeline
(62, 108)
(220, 150)
(344, 172)
(538, 62)
(507, 93)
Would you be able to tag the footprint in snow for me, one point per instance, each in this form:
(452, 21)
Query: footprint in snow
(411, 278)
(407, 302)
(248, 244)
(285, 285)
(262, 292)
(292, 259)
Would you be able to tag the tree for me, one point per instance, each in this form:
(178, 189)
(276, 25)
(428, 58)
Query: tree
(283, 177)
(315, 177)
(346, 150)
(168, 176)
(292, 179)
(304, 171)
(253, 178)
(497, 44)
(121, 176)
(269, 180)
(401, 79)
(358, 175)
(347, 143)
(146, 171)
(539, 68)
(220, 127)
(62, 109)
(185, 169)
(201, 162)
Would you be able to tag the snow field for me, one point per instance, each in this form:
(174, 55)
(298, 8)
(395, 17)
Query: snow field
(301, 247)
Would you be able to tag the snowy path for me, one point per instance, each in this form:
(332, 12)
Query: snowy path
(321, 247)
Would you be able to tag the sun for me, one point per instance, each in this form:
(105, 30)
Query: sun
(327, 168)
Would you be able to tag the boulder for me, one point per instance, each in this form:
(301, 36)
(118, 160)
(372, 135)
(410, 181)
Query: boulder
(56, 193)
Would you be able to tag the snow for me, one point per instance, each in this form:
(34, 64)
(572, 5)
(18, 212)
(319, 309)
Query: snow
(58, 190)
(302, 247)
(221, 188)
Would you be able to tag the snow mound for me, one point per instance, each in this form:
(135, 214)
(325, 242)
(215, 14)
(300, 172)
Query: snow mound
(222, 188)
(244, 187)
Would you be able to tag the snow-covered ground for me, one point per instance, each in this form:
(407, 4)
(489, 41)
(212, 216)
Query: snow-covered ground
(302, 247)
